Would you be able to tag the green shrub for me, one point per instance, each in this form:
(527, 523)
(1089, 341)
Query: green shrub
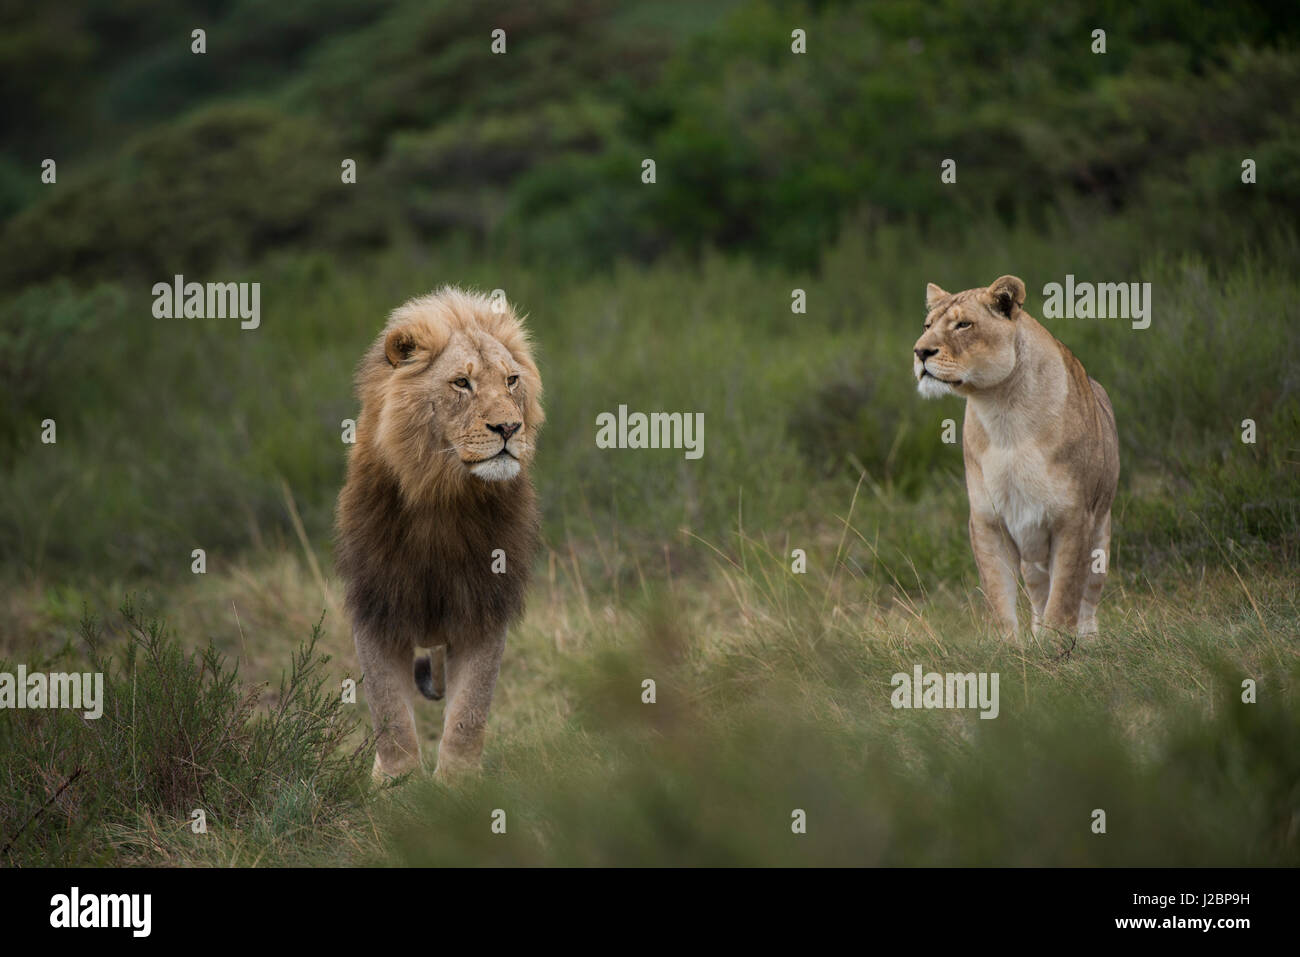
(179, 733)
(51, 341)
(224, 185)
(1148, 726)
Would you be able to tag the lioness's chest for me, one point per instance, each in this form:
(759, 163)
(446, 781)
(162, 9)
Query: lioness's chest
(1022, 488)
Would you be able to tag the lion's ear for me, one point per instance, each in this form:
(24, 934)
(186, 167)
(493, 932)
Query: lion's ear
(1008, 294)
(398, 345)
(932, 295)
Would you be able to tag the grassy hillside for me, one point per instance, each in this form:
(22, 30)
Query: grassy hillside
(771, 684)
(772, 696)
(192, 444)
(776, 172)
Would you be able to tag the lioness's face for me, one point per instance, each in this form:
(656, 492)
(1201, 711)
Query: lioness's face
(969, 339)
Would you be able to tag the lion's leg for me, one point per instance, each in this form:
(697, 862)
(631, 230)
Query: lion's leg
(1096, 579)
(386, 668)
(1034, 556)
(997, 558)
(472, 669)
(1070, 546)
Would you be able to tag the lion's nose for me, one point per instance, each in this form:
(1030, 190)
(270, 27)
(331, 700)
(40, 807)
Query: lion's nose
(505, 429)
(924, 354)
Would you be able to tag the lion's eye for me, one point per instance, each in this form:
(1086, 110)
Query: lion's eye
(963, 325)
(461, 383)
(512, 381)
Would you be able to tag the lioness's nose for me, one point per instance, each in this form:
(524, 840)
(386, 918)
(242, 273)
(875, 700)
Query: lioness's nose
(923, 353)
(505, 429)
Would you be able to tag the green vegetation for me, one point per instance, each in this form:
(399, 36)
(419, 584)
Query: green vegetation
(178, 734)
(186, 446)
(791, 712)
(774, 172)
(772, 694)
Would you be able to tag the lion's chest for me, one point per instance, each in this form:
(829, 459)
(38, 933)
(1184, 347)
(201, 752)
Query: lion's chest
(438, 572)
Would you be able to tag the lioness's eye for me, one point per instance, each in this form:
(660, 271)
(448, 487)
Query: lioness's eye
(512, 381)
(461, 383)
(963, 325)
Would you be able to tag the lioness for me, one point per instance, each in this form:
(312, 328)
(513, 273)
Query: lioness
(438, 521)
(1041, 452)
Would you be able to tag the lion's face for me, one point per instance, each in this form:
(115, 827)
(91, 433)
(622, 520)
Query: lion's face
(969, 343)
(457, 395)
(473, 388)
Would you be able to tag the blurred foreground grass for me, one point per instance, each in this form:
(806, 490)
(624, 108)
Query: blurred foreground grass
(772, 695)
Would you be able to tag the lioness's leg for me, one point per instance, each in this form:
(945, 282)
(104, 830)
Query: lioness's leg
(386, 668)
(1034, 556)
(1069, 574)
(472, 669)
(997, 558)
(1096, 579)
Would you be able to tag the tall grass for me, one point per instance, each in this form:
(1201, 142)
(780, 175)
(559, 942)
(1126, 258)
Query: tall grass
(777, 700)
(193, 445)
(180, 733)
(772, 687)
(772, 695)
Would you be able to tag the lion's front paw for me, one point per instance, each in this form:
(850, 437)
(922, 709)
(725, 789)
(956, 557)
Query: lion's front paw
(382, 773)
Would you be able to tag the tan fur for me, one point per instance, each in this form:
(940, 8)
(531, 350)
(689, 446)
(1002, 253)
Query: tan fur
(437, 482)
(1041, 452)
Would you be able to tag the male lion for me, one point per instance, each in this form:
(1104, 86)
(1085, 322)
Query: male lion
(438, 521)
(1041, 451)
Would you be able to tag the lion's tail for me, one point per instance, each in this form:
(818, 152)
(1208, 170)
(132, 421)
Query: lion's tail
(429, 675)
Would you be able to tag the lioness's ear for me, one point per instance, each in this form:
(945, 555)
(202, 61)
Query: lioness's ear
(398, 345)
(932, 295)
(1008, 294)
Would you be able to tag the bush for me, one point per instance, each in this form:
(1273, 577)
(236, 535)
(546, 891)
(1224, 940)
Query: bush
(224, 185)
(48, 355)
(179, 733)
